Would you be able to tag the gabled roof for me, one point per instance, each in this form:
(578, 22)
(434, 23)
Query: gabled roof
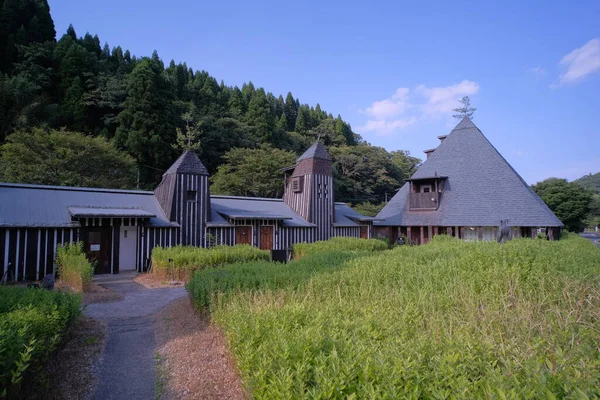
(317, 150)
(347, 216)
(23, 205)
(188, 163)
(235, 207)
(481, 189)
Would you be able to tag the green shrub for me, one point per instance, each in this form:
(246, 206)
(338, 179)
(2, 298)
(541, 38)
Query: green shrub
(187, 259)
(73, 267)
(449, 319)
(32, 324)
(339, 244)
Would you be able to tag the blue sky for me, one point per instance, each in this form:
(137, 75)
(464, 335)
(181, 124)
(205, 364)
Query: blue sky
(393, 69)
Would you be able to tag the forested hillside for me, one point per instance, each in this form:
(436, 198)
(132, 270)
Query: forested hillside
(78, 84)
(591, 181)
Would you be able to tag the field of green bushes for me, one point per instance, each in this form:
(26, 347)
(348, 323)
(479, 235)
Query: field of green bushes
(446, 320)
(187, 259)
(33, 322)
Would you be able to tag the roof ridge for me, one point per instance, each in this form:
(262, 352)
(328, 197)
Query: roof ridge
(222, 196)
(73, 188)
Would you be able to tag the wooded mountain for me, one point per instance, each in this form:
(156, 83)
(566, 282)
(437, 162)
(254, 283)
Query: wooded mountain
(591, 181)
(76, 84)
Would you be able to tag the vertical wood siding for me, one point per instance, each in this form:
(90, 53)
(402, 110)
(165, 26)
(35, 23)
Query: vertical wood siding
(29, 253)
(191, 215)
(349, 231)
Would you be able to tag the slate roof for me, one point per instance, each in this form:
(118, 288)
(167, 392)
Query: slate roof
(235, 207)
(481, 189)
(317, 150)
(23, 205)
(188, 163)
(347, 216)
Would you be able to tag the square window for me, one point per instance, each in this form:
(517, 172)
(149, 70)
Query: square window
(296, 184)
(191, 195)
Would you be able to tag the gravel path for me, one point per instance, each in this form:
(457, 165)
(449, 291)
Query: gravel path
(126, 369)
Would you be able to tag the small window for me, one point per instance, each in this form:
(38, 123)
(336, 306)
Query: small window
(426, 189)
(296, 184)
(191, 195)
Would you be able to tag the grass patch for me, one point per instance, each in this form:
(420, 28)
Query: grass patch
(448, 319)
(338, 244)
(187, 259)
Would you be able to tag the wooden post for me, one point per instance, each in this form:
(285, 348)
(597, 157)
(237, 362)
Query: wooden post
(435, 231)
(449, 230)
(457, 233)
(479, 233)
(422, 236)
(408, 235)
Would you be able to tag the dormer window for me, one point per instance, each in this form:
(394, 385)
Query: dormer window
(426, 193)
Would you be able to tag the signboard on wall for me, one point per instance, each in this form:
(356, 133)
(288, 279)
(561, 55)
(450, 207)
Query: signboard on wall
(94, 247)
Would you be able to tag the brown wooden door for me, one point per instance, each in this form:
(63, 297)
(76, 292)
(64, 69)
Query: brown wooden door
(266, 237)
(97, 247)
(243, 235)
(364, 232)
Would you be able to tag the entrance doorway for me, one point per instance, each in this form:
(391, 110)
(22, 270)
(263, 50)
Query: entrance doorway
(243, 235)
(96, 243)
(266, 237)
(127, 245)
(364, 232)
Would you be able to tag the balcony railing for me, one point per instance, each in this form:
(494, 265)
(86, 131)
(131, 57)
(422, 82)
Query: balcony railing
(424, 201)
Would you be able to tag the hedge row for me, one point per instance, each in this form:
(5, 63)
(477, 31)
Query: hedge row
(73, 266)
(339, 244)
(187, 259)
(32, 324)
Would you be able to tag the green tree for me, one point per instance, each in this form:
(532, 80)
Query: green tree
(466, 110)
(188, 139)
(146, 127)
(64, 158)
(569, 201)
(252, 172)
(364, 173)
(369, 209)
(405, 162)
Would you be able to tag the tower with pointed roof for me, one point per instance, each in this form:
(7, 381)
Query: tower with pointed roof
(184, 196)
(309, 189)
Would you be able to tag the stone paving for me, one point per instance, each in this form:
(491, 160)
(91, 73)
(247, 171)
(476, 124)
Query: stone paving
(126, 369)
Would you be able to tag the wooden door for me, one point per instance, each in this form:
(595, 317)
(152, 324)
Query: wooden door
(364, 232)
(243, 235)
(266, 237)
(97, 247)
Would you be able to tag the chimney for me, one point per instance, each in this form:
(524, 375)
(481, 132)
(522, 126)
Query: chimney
(428, 152)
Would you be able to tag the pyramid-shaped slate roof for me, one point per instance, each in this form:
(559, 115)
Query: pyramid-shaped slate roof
(317, 150)
(481, 189)
(188, 163)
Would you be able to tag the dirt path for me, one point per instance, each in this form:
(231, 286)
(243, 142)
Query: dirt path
(194, 356)
(126, 368)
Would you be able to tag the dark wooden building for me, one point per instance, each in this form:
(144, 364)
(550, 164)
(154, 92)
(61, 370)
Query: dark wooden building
(119, 228)
(465, 188)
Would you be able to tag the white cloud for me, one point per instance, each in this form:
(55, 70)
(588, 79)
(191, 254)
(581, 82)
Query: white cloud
(538, 72)
(441, 100)
(392, 107)
(581, 62)
(386, 128)
(405, 108)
